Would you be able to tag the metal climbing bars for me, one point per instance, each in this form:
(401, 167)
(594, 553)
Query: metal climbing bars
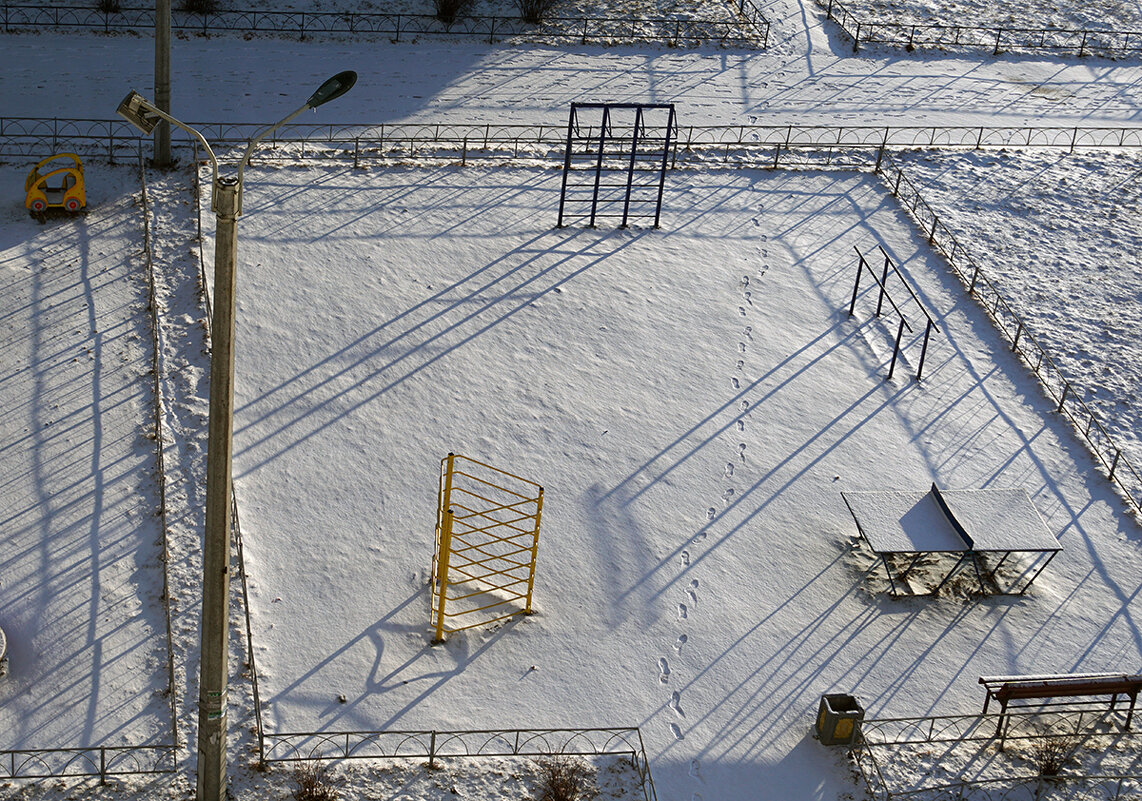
(487, 536)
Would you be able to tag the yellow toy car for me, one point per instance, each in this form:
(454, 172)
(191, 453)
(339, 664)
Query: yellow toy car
(55, 185)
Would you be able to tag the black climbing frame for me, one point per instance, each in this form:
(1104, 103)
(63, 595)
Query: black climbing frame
(615, 164)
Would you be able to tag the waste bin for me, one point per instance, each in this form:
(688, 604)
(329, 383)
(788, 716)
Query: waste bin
(838, 719)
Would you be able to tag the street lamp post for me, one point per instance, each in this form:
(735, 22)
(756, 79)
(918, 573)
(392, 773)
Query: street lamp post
(226, 202)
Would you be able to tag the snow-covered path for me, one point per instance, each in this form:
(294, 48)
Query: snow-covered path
(805, 80)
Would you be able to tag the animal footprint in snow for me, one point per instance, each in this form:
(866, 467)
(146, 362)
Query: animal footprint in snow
(749, 332)
(735, 383)
(685, 558)
(680, 642)
(748, 295)
(741, 310)
(744, 405)
(710, 513)
(741, 450)
(663, 670)
(729, 471)
(695, 773)
(682, 611)
(741, 347)
(729, 493)
(741, 364)
(676, 704)
(741, 425)
(678, 735)
(692, 591)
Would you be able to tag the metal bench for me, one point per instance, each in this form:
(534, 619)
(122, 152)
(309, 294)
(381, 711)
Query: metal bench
(1006, 689)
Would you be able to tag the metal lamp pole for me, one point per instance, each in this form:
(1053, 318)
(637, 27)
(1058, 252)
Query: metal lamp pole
(227, 206)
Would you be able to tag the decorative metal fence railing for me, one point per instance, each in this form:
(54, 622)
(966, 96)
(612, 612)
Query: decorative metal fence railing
(750, 29)
(27, 137)
(103, 762)
(431, 745)
(996, 39)
(878, 756)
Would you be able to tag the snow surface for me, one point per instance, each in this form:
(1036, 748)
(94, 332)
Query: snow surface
(80, 577)
(1076, 282)
(454, 337)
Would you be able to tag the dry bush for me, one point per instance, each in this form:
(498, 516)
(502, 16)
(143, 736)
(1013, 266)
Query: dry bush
(448, 10)
(1050, 753)
(534, 10)
(200, 6)
(312, 782)
(565, 778)
(108, 6)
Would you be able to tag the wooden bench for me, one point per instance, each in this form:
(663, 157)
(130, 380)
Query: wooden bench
(1006, 689)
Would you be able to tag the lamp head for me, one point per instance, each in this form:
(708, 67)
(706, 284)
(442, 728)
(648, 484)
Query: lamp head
(136, 110)
(333, 88)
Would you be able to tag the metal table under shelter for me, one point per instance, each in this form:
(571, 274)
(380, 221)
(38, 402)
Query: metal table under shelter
(961, 523)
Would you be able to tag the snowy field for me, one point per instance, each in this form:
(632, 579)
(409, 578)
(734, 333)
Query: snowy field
(1076, 282)
(80, 575)
(693, 400)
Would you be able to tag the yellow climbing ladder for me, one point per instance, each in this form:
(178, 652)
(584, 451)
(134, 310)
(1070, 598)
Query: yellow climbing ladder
(487, 535)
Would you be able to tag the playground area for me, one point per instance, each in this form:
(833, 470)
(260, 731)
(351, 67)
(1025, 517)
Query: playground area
(693, 401)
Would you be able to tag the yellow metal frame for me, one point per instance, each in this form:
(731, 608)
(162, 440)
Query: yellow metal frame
(71, 194)
(487, 539)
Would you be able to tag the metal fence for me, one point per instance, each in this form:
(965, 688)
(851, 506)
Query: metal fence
(885, 736)
(431, 745)
(995, 39)
(160, 438)
(404, 27)
(102, 762)
(745, 145)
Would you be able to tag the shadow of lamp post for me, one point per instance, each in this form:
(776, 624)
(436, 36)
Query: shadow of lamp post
(226, 202)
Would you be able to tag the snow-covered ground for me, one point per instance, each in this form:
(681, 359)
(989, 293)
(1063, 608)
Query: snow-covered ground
(693, 400)
(704, 592)
(1075, 281)
(80, 575)
(1101, 15)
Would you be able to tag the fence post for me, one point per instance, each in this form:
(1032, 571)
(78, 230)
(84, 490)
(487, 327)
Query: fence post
(1063, 400)
(1114, 464)
(1082, 45)
(998, 34)
(829, 10)
(896, 186)
(464, 155)
(932, 234)
(103, 765)
(856, 39)
(432, 751)
(974, 275)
